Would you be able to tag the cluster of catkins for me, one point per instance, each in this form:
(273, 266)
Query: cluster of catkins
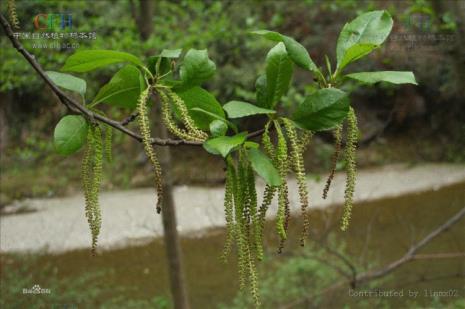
(245, 221)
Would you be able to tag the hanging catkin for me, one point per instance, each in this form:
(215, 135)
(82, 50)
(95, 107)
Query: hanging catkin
(337, 149)
(13, 14)
(229, 208)
(91, 175)
(147, 142)
(350, 156)
(283, 201)
(192, 132)
(108, 143)
(297, 159)
(168, 120)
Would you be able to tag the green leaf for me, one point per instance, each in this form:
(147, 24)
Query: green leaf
(197, 97)
(279, 70)
(122, 90)
(223, 145)
(298, 54)
(249, 144)
(196, 68)
(393, 77)
(354, 53)
(238, 109)
(369, 29)
(270, 35)
(159, 65)
(88, 60)
(171, 53)
(322, 110)
(70, 134)
(68, 82)
(218, 128)
(264, 167)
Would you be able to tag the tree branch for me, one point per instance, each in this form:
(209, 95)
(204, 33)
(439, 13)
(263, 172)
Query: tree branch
(410, 255)
(78, 108)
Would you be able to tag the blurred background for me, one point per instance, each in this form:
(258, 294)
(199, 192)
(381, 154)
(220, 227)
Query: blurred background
(419, 130)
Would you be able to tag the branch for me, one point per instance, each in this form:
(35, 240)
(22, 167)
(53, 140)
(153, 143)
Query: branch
(410, 255)
(78, 108)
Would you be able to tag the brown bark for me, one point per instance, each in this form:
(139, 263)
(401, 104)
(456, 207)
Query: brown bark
(171, 236)
(144, 20)
(172, 243)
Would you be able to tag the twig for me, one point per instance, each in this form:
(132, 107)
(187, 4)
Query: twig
(410, 255)
(78, 108)
(129, 119)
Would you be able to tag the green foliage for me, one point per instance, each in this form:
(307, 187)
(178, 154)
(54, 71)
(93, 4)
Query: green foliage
(122, 90)
(68, 82)
(224, 144)
(263, 166)
(218, 128)
(88, 60)
(359, 37)
(393, 77)
(298, 54)
(322, 110)
(70, 134)
(239, 109)
(279, 69)
(196, 68)
(197, 97)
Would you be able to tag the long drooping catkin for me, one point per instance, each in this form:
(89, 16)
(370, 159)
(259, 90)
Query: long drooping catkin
(337, 149)
(91, 175)
(96, 181)
(350, 156)
(282, 162)
(229, 208)
(144, 127)
(299, 169)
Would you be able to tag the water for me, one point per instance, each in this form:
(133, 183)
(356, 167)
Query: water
(380, 232)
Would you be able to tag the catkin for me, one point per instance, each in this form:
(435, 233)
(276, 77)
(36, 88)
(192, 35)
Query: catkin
(86, 178)
(266, 141)
(169, 99)
(91, 175)
(146, 140)
(350, 156)
(168, 120)
(267, 199)
(299, 169)
(96, 181)
(282, 162)
(229, 208)
(186, 118)
(13, 14)
(108, 143)
(337, 149)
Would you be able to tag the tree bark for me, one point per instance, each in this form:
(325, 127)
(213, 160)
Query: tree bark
(144, 20)
(171, 237)
(172, 243)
